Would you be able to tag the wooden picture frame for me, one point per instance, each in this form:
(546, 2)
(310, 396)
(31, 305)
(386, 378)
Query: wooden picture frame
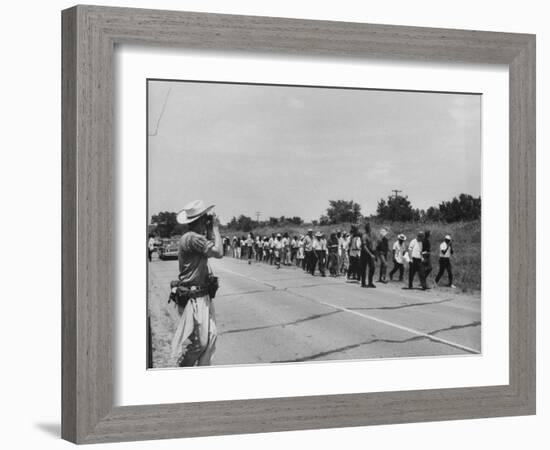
(89, 37)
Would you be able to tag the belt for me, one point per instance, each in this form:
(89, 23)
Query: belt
(196, 291)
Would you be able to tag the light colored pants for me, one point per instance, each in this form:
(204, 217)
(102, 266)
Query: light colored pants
(194, 342)
(344, 262)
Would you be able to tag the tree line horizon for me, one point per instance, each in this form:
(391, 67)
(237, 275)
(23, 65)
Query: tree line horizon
(396, 208)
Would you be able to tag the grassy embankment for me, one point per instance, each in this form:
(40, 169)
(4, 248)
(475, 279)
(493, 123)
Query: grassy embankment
(466, 242)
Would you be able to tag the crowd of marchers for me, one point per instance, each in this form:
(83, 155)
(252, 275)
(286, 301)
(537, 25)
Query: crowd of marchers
(354, 255)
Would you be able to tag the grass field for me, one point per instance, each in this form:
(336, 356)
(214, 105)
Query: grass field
(466, 243)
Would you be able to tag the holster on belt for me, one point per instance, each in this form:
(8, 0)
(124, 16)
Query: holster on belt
(181, 292)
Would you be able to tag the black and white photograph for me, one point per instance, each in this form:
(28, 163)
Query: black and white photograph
(301, 224)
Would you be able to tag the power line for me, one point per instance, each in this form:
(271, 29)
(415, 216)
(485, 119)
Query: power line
(396, 193)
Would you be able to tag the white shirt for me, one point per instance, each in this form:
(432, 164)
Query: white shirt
(151, 243)
(444, 250)
(415, 249)
(355, 246)
(317, 244)
(345, 243)
(308, 243)
(399, 250)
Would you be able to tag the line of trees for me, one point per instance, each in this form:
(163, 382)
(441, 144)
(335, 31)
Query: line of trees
(246, 223)
(394, 209)
(465, 207)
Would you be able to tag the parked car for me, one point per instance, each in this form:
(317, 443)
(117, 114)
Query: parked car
(169, 248)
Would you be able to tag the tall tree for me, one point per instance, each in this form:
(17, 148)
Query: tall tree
(343, 211)
(396, 208)
(165, 222)
(463, 208)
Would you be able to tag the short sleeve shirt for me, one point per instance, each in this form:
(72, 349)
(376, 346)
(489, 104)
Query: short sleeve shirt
(308, 243)
(382, 246)
(444, 250)
(399, 250)
(355, 246)
(193, 258)
(316, 244)
(415, 249)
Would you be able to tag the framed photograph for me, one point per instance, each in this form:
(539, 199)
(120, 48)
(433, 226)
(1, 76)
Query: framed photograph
(277, 224)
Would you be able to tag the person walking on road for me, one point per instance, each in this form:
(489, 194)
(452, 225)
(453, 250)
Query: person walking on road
(287, 249)
(319, 250)
(235, 247)
(265, 249)
(249, 244)
(294, 245)
(339, 238)
(194, 341)
(416, 266)
(367, 259)
(300, 255)
(150, 247)
(382, 248)
(278, 250)
(399, 251)
(271, 248)
(258, 248)
(344, 246)
(354, 254)
(427, 254)
(333, 248)
(308, 252)
(445, 252)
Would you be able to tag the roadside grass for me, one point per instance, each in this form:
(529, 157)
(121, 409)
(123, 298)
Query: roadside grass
(466, 261)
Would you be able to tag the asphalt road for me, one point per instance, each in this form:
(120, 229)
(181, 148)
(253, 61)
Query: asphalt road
(265, 315)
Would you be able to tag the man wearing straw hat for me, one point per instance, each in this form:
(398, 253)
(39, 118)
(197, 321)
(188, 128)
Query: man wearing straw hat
(445, 252)
(194, 341)
(382, 249)
(399, 256)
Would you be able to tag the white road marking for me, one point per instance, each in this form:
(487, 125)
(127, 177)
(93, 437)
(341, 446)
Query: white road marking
(224, 269)
(360, 314)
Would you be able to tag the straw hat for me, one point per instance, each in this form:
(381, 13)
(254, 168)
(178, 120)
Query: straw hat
(192, 211)
(401, 237)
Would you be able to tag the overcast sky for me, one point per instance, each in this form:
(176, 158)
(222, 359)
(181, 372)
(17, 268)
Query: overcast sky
(289, 150)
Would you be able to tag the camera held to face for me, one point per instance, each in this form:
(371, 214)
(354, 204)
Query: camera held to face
(209, 221)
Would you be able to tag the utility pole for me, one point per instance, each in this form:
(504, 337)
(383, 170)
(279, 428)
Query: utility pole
(258, 213)
(396, 193)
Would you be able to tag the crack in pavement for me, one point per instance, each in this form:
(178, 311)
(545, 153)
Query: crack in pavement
(391, 324)
(418, 334)
(255, 291)
(378, 340)
(407, 305)
(311, 285)
(476, 323)
(295, 322)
